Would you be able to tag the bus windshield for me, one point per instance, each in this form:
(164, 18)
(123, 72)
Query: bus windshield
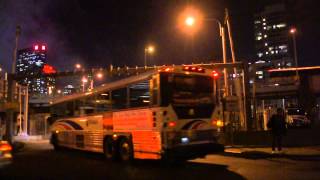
(187, 91)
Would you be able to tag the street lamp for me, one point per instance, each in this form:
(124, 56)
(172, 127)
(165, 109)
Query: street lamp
(190, 21)
(84, 81)
(148, 50)
(99, 75)
(293, 32)
(77, 66)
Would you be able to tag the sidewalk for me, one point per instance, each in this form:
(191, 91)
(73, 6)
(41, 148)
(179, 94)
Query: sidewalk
(287, 151)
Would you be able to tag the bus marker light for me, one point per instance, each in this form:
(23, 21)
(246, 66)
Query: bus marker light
(114, 136)
(217, 122)
(172, 124)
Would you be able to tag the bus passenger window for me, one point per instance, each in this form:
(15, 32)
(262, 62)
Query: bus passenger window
(103, 102)
(140, 94)
(87, 106)
(119, 98)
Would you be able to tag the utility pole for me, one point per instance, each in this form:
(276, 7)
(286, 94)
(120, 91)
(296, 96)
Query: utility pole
(242, 101)
(11, 90)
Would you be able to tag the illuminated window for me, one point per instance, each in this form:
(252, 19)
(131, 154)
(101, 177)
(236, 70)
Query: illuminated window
(257, 22)
(259, 72)
(260, 54)
(258, 38)
(264, 28)
(265, 36)
(282, 25)
(264, 19)
(264, 24)
(267, 52)
(283, 47)
(265, 44)
(139, 94)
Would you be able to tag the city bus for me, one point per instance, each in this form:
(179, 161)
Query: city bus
(167, 113)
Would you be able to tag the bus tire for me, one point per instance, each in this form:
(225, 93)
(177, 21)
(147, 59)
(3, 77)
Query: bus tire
(54, 142)
(109, 149)
(125, 150)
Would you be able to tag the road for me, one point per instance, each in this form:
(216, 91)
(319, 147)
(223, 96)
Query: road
(39, 161)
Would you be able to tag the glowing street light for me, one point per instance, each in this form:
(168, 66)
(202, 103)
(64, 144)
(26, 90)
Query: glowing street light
(78, 66)
(99, 75)
(190, 20)
(84, 80)
(191, 16)
(293, 32)
(148, 50)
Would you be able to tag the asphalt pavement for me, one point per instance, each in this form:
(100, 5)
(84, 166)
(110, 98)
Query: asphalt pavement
(37, 160)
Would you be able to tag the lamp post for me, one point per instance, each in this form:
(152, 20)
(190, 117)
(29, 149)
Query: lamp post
(293, 32)
(148, 50)
(191, 21)
(84, 81)
(99, 75)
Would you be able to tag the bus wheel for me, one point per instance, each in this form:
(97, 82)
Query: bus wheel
(54, 142)
(126, 150)
(109, 149)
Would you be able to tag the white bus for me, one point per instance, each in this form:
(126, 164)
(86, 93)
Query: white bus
(172, 112)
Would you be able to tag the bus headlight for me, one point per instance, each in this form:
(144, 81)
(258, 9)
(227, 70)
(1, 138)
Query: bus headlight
(184, 140)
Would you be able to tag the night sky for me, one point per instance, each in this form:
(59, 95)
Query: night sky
(98, 33)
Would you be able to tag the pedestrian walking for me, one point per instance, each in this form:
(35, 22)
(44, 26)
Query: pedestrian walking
(277, 124)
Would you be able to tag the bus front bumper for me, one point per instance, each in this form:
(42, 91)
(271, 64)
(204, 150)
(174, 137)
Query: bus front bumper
(191, 151)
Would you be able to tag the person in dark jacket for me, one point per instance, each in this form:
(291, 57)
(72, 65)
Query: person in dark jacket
(277, 124)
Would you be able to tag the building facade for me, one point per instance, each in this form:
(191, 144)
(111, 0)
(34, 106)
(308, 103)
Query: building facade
(272, 38)
(30, 62)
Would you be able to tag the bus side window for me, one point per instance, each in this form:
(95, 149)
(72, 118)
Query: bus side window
(119, 98)
(103, 102)
(139, 94)
(87, 106)
(154, 87)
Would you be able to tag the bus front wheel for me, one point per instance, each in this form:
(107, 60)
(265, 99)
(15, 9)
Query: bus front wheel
(54, 142)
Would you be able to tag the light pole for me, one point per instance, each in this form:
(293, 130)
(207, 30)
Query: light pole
(191, 21)
(99, 75)
(84, 81)
(293, 32)
(148, 50)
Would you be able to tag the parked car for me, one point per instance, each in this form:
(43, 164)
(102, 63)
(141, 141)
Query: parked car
(296, 117)
(5, 153)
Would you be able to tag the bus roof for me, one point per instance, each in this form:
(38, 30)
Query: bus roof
(124, 82)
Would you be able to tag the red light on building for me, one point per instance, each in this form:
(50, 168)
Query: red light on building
(43, 47)
(47, 69)
(36, 47)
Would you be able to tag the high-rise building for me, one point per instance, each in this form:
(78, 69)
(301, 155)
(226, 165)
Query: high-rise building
(271, 28)
(32, 61)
